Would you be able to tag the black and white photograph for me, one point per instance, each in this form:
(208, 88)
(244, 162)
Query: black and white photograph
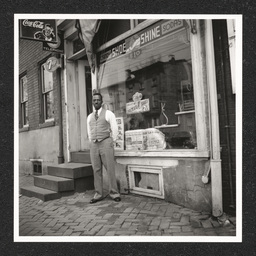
(128, 128)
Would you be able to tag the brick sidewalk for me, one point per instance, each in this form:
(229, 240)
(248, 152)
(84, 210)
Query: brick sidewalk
(133, 216)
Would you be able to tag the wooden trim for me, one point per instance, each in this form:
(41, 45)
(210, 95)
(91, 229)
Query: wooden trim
(146, 169)
(182, 153)
(47, 124)
(24, 129)
(71, 32)
(199, 91)
(78, 55)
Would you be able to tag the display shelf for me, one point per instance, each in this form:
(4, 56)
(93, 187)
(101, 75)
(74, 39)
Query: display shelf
(184, 112)
(166, 126)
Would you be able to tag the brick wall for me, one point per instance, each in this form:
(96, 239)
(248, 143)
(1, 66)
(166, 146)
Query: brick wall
(30, 55)
(37, 141)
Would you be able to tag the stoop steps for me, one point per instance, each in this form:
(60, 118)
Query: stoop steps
(62, 179)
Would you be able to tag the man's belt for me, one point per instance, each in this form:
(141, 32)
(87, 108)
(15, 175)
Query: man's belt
(101, 140)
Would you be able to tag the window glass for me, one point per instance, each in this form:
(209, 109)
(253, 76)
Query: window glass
(24, 89)
(140, 21)
(47, 79)
(24, 100)
(47, 93)
(49, 105)
(78, 45)
(110, 29)
(147, 81)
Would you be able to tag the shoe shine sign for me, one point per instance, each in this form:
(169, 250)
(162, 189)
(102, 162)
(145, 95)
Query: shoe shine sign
(148, 35)
(39, 30)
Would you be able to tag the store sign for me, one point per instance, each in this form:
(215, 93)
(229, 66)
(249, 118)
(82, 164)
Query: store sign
(138, 105)
(52, 64)
(115, 51)
(58, 48)
(152, 33)
(39, 30)
(119, 145)
(133, 44)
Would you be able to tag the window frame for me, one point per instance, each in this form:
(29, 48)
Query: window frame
(44, 122)
(23, 103)
(195, 47)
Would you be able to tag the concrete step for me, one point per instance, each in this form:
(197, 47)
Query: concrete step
(41, 193)
(54, 183)
(71, 170)
(81, 157)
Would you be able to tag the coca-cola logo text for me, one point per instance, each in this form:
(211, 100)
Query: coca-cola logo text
(34, 24)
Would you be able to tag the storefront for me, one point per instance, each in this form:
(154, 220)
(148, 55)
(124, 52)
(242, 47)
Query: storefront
(163, 81)
(158, 77)
(154, 78)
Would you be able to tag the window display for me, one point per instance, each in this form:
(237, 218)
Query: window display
(147, 81)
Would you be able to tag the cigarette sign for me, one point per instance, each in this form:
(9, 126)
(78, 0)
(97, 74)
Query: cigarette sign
(137, 107)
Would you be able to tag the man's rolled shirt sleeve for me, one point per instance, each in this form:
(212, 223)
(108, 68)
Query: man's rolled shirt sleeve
(111, 118)
(88, 128)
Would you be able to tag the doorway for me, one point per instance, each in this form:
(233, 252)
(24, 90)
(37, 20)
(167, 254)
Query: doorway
(79, 103)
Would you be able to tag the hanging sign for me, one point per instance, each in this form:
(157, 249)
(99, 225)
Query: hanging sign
(57, 48)
(39, 30)
(52, 64)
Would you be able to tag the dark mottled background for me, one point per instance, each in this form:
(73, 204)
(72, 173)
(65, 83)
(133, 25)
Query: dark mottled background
(8, 8)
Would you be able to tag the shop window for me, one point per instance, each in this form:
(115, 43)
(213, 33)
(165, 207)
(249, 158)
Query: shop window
(110, 29)
(23, 101)
(47, 80)
(147, 81)
(78, 45)
(140, 21)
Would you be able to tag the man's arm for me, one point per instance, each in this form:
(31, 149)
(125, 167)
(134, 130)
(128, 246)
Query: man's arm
(88, 128)
(111, 118)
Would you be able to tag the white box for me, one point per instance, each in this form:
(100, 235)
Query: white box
(136, 140)
(155, 139)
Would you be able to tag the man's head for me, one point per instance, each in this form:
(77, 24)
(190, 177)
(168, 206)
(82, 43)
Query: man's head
(97, 100)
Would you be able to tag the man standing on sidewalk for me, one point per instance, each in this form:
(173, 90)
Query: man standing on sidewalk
(102, 132)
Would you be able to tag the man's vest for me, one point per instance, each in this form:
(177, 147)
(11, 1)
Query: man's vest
(100, 128)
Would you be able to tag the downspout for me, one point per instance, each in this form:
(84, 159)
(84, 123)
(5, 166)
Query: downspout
(227, 126)
(61, 155)
(215, 161)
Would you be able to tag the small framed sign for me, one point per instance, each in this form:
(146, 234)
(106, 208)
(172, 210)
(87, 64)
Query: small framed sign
(39, 30)
(52, 64)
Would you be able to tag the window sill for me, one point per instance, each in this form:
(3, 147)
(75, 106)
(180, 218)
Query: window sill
(24, 129)
(47, 124)
(178, 153)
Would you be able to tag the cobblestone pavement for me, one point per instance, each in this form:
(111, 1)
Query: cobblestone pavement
(134, 216)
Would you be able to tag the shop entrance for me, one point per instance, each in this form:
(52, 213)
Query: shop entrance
(79, 104)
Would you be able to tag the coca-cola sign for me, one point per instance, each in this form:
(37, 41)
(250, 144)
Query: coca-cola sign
(39, 30)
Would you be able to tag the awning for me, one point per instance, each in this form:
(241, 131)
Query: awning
(87, 30)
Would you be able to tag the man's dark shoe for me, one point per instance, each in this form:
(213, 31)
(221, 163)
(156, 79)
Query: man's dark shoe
(95, 200)
(117, 199)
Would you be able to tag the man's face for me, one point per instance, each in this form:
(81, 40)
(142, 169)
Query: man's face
(97, 101)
